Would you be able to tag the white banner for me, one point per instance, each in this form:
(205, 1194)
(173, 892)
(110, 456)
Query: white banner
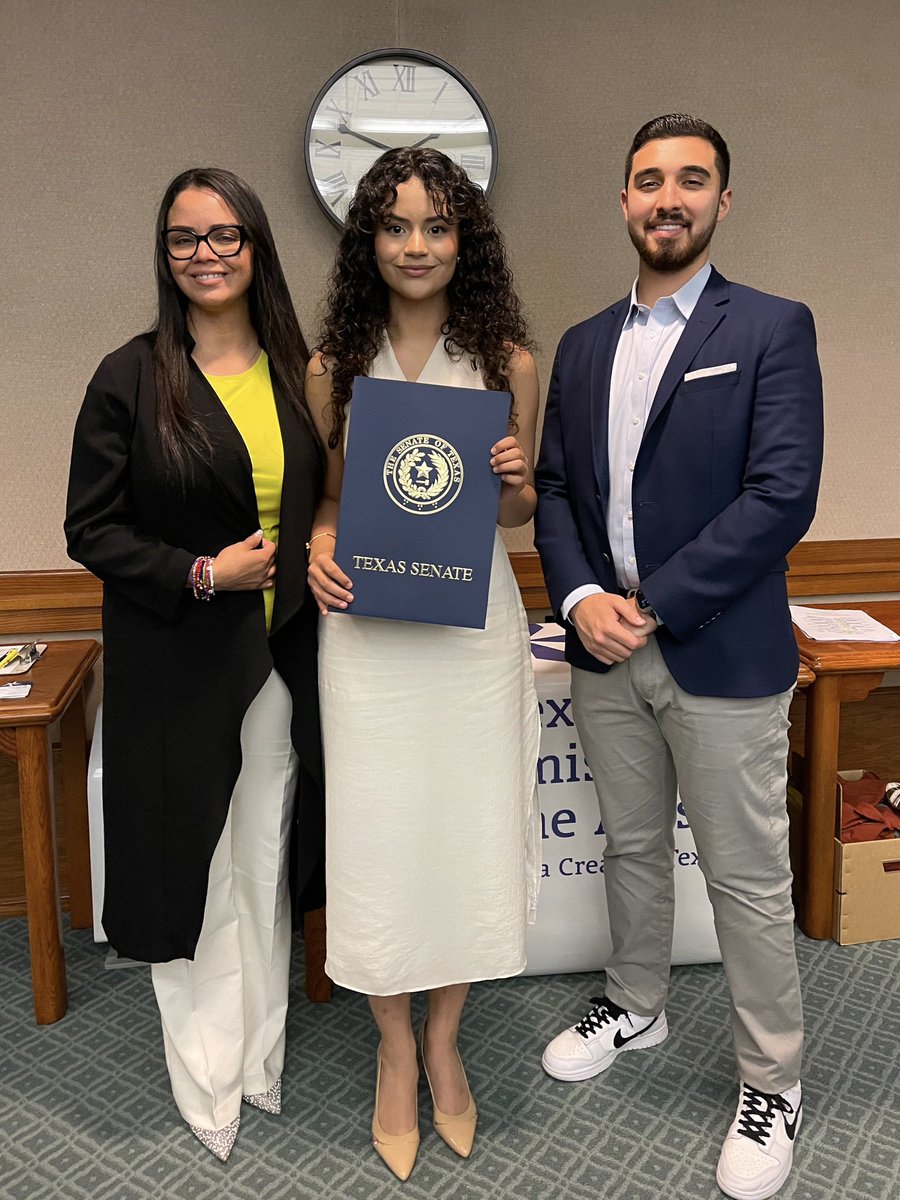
(572, 929)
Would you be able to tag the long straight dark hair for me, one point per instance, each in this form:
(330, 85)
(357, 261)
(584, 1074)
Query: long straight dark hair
(272, 315)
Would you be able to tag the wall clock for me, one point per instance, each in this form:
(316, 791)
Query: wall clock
(393, 98)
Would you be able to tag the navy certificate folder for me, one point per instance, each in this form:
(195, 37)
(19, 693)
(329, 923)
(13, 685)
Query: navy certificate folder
(419, 501)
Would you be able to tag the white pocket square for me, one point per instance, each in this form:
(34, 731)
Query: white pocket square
(724, 369)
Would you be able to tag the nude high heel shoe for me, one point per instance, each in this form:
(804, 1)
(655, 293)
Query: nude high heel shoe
(457, 1131)
(217, 1141)
(269, 1102)
(398, 1150)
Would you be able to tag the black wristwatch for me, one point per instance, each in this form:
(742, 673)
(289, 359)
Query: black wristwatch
(644, 606)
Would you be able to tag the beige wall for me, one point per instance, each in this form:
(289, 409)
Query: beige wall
(104, 100)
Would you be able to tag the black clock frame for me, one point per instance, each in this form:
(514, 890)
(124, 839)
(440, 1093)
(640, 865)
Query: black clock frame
(388, 52)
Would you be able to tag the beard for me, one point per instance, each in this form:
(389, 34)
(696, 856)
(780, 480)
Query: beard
(672, 254)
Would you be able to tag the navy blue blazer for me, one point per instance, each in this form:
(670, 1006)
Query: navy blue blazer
(725, 484)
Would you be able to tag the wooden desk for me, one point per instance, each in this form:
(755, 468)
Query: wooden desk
(804, 676)
(56, 695)
(844, 672)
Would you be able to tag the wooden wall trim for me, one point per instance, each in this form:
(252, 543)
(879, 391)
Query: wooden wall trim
(840, 568)
(845, 567)
(16, 906)
(70, 600)
(49, 601)
(526, 566)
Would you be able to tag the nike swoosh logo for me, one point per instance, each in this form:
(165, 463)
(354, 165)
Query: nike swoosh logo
(619, 1041)
(790, 1127)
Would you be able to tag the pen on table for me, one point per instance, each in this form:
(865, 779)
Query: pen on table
(27, 653)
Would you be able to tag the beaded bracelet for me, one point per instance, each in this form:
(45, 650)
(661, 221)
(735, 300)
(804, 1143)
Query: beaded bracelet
(203, 581)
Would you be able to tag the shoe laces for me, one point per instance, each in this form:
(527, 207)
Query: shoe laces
(758, 1111)
(603, 1012)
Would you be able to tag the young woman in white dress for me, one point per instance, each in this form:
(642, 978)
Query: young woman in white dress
(430, 732)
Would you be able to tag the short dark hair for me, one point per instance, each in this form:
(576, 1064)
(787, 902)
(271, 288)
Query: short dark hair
(674, 125)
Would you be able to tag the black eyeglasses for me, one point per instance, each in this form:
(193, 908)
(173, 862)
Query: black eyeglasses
(226, 241)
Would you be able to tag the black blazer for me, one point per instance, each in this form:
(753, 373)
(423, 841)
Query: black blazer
(180, 674)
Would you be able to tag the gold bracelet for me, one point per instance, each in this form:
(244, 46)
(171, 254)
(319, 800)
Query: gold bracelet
(322, 533)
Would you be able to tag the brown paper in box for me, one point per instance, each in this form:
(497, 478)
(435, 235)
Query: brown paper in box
(867, 886)
(866, 874)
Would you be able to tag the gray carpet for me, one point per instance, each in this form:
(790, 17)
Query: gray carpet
(86, 1114)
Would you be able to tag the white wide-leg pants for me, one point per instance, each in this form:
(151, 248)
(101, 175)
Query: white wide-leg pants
(223, 1014)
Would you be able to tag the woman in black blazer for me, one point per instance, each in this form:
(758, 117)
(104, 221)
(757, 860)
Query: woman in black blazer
(195, 475)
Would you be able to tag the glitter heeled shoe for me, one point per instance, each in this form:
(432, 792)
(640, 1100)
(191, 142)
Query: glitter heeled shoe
(268, 1102)
(457, 1131)
(398, 1150)
(217, 1141)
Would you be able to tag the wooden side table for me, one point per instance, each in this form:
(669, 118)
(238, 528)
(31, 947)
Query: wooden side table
(57, 694)
(805, 676)
(845, 672)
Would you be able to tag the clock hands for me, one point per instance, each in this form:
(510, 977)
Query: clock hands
(345, 128)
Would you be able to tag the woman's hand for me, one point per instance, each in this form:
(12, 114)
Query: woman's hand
(245, 566)
(509, 462)
(327, 582)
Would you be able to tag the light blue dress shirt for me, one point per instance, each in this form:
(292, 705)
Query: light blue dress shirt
(646, 343)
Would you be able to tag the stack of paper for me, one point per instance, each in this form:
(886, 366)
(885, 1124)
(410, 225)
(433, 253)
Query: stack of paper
(14, 691)
(841, 625)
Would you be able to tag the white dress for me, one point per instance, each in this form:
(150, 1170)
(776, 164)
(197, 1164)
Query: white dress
(431, 743)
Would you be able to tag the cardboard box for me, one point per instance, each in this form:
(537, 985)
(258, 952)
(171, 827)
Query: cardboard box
(867, 885)
(866, 874)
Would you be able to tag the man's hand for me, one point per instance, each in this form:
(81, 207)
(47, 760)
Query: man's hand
(650, 626)
(610, 627)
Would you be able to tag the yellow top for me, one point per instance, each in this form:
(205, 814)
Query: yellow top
(250, 402)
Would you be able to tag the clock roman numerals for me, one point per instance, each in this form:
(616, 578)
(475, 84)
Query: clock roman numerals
(327, 149)
(366, 81)
(406, 77)
(336, 183)
(343, 114)
(473, 162)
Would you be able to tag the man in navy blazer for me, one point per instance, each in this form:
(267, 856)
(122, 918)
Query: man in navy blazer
(679, 464)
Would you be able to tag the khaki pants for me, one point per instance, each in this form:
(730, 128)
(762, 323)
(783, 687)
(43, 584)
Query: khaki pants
(646, 740)
(223, 1014)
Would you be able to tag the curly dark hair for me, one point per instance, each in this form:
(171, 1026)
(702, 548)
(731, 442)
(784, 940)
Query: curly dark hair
(485, 320)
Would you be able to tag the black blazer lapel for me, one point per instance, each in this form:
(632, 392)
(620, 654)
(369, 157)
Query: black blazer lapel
(230, 472)
(601, 374)
(302, 462)
(703, 320)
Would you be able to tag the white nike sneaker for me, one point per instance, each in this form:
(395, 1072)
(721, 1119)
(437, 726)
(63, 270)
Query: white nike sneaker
(758, 1150)
(586, 1049)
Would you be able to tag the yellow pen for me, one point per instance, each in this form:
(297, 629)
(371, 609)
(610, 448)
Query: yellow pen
(9, 656)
